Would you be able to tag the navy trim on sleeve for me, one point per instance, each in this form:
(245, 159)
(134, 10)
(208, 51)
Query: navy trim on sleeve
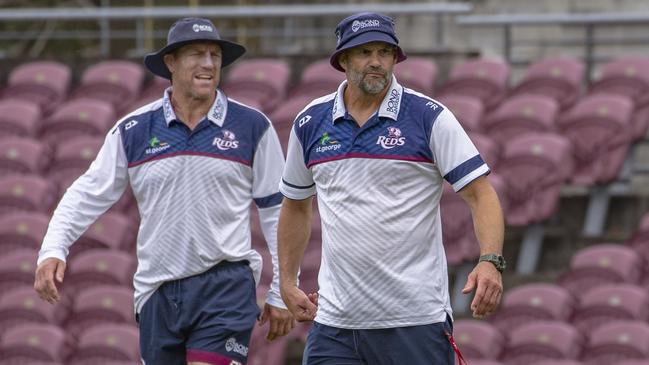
(297, 186)
(269, 201)
(464, 169)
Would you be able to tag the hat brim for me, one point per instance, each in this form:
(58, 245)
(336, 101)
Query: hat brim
(363, 38)
(155, 61)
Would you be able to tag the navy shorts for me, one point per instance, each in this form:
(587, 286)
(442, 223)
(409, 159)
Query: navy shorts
(205, 318)
(415, 345)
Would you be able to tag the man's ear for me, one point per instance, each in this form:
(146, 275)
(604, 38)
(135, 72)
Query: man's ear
(342, 60)
(169, 61)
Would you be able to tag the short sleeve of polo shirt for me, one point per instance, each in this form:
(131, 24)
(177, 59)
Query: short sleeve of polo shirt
(297, 180)
(455, 155)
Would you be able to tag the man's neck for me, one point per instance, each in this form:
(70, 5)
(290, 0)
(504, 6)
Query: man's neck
(362, 105)
(190, 110)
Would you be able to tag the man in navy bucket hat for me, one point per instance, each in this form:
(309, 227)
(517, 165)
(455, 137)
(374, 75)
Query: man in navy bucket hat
(377, 154)
(195, 161)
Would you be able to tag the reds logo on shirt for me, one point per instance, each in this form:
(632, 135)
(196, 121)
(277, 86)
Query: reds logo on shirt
(228, 141)
(392, 140)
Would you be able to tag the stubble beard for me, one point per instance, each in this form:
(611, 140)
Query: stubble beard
(373, 87)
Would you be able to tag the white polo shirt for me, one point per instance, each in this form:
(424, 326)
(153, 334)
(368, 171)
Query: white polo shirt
(378, 189)
(193, 190)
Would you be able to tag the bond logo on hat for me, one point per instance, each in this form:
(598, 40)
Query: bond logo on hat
(358, 25)
(202, 28)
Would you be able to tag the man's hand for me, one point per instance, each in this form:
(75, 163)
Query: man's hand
(281, 321)
(489, 290)
(302, 307)
(44, 279)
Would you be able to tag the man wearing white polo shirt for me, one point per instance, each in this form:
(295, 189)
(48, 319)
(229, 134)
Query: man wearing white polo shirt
(376, 154)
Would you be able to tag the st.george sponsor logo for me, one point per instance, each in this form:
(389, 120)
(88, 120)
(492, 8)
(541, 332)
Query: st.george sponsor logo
(358, 25)
(156, 146)
(231, 345)
(392, 140)
(327, 144)
(229, 141)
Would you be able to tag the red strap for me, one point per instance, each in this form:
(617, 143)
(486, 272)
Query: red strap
(455, 348)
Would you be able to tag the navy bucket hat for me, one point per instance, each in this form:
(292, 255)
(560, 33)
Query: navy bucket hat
(191, 30)
(364, 28)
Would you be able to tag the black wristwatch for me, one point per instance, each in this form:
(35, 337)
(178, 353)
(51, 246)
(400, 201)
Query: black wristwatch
(496, 259)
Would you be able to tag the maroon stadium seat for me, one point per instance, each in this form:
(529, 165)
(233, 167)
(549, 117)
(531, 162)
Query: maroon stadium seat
(17, 268)
(318, 79)
(468, 110)
(43, 82)
(599, 127)
(32, 343)
(483, 78)
(559, 362)
(521, 114)
(20, 118)
(107, 342)
(542, 340)
(22, 230)
(486, 362)
(641, 235)
(100, 304)
(155, 88)
(22, 305)
(628, 76)
(456, 217)
(534, 167)
(417, 73)
(608, 302)
(633, 362)
(72, 157)
(19, 155)
(117, 82)
(490, 151)
(78, 117)
(533, 302)
(264, 80)
(26, 193)
(99, 267)
(263, 352)
(284, 115)
(111, 230)
(602, 264)
(560, 78)
(478, 339)
(616, 341)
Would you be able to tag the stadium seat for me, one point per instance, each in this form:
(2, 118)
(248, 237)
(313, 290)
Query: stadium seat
(155, 88)
(99, 267)
(616, 341)
(602, 264)
(559, 362)
(72, 157)
(78, 117)
(534, 166)
(17, 268)
(43, 82)
(20, 118)
(100, 304)
(478, 339)
(107, 342)
(456, 217)
(533, 302)
(26, 193)
(521, 114)
(628, 76)
(32, 343)
(417, 73)
(542, 340)
(633, 362)
(560, 78)
(284, 115)
(609, 302)
(19, 155)
(263, 352)
(490, 151)
(599, 127)
(318, 79)
(468, 110)
(22, 305)
(22, 230)
(484, 79)
(111, 230)
(641, 234)
(117, 82)
(264, 80)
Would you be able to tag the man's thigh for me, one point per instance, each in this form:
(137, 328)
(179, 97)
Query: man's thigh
(327, 345)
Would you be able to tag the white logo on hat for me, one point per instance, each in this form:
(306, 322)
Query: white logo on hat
(357, 25)
(202, 28)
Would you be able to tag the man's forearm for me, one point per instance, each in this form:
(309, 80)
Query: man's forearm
(293, 232)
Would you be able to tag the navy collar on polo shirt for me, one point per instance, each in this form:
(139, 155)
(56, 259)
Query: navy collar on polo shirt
(216, 114)
(389, 107)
